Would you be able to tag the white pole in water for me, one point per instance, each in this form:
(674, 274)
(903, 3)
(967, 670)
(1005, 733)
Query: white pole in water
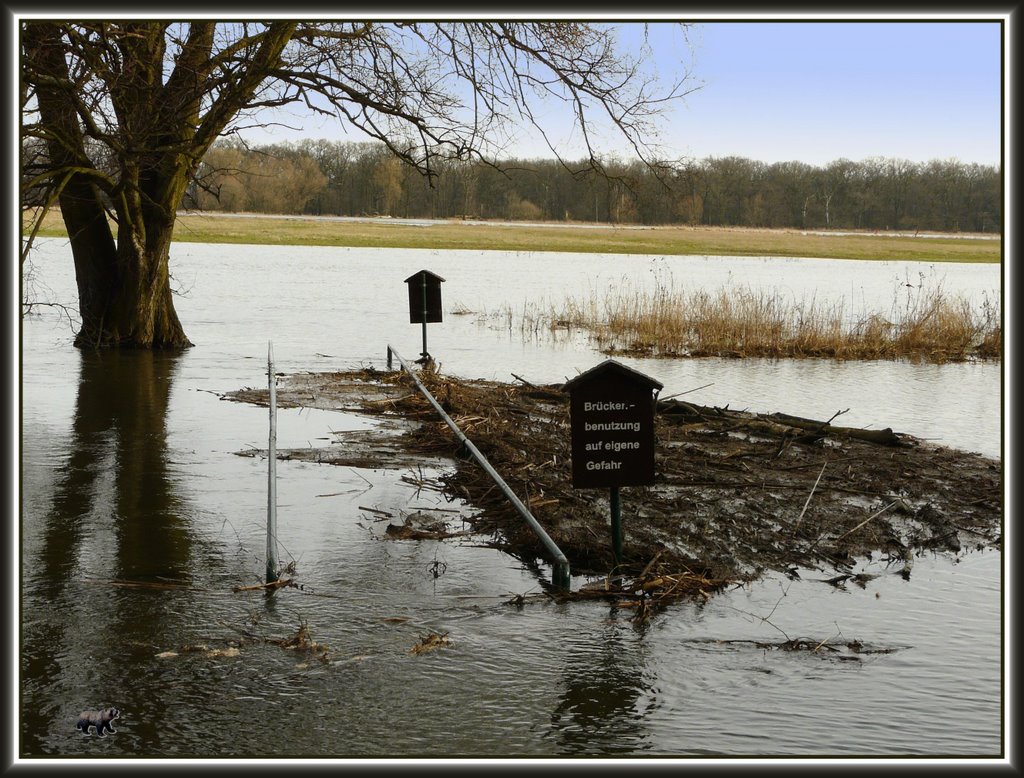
(272, 470)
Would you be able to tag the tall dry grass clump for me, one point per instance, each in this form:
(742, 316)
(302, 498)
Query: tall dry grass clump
(940, 330)
(929, 325)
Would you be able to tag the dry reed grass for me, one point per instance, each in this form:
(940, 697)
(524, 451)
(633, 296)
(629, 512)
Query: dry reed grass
(925, 325)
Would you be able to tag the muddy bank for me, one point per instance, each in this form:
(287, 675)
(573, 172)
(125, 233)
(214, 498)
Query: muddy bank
(737, 494)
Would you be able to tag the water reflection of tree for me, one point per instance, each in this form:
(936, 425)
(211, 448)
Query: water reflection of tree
(116, 476)
(602, 709)
(114, 516)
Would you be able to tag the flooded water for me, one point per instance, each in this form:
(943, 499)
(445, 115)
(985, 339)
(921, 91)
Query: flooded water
(139, 520)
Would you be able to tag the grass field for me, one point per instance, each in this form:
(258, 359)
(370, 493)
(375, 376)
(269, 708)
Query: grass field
(713, 241)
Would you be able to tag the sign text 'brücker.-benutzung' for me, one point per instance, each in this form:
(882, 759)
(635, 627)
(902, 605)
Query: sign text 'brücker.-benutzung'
(611, 410)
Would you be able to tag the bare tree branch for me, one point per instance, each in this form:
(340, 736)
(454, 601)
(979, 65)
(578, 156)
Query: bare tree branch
(127, 110)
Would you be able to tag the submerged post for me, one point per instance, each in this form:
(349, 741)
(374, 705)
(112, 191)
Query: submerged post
(272, 470)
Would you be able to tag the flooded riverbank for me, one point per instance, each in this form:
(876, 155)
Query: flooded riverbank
(130, 475)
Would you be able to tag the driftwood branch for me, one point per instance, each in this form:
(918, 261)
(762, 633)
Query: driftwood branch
(781, 424)
(885, 437)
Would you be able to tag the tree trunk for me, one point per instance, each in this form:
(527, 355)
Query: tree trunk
(131, 304)
(124, 292)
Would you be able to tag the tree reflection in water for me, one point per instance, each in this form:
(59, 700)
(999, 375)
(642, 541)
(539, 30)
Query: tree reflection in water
(114, 517)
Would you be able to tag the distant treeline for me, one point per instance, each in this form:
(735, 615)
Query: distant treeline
(352, 179)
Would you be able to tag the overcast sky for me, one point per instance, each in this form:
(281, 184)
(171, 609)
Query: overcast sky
(811, 91)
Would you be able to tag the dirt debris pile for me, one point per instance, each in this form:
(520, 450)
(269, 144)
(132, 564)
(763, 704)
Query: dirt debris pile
(737, 494)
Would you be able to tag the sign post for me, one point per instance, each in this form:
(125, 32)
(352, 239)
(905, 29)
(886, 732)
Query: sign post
(424, 303)
(616, 509)
(611, 419)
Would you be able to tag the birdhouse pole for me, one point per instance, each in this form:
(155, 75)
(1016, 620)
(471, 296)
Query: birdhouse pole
(425, 354)
(424, 304)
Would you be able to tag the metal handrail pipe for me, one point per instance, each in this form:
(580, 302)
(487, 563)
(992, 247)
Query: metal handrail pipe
(561, 563)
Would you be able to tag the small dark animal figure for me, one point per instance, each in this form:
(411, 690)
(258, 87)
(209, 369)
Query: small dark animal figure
(103, 720)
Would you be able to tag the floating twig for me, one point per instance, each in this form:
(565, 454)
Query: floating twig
(270, 586)
(431, 642)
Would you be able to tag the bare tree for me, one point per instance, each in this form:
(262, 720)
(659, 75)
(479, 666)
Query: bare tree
(127, 110)
(832, 183)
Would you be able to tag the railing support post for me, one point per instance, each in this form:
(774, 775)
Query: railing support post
(272, 470)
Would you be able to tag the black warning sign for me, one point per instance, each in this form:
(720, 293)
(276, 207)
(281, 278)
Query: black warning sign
(611, 410)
